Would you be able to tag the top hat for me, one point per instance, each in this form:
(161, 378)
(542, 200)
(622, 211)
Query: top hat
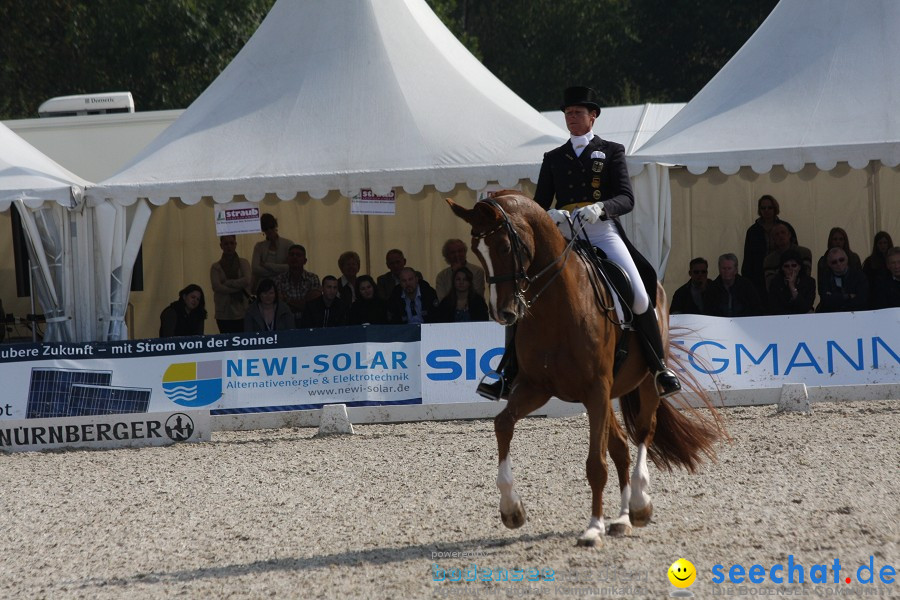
(580, 96)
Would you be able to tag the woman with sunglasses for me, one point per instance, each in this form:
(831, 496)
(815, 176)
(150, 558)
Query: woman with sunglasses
(792, 291)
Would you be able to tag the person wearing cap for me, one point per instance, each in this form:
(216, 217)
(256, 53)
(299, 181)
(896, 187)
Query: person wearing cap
(270, 255)
(589, 180)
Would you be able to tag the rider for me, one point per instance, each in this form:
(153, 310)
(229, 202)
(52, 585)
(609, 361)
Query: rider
(590, 180)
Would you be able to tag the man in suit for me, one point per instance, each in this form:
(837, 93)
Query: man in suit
(386, 283)
(689, 298)
(589, 179)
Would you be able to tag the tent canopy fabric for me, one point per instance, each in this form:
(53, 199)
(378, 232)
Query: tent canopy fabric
(817, 83)
(29, 175)
(342, 95)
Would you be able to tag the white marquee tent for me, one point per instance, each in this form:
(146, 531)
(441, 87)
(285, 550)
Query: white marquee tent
(342, 95)
(808, 110)
(818, 83)
(77, 248)
(50, 202)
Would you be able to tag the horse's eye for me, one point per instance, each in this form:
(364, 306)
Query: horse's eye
(505, 248)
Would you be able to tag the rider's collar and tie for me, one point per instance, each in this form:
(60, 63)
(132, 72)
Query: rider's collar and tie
(580, 142)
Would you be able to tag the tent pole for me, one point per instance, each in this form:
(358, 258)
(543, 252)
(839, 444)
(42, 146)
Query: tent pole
(368, 250)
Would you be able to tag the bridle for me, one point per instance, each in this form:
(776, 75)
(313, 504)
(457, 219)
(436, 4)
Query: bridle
(521, 253)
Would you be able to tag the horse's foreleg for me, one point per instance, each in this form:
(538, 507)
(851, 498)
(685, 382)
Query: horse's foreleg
(522, 401)
(618, 450)
(640, 508)
(598, 420)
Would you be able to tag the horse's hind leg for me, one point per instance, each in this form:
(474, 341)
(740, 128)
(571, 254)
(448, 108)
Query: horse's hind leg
(618, 450)
(640, 508)
(598, 420)
(522, 401)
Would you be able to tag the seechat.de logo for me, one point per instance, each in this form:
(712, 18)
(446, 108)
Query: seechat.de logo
(194, 383)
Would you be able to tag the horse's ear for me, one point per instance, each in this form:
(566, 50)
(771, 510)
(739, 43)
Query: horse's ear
(463, 213)
(489, 211)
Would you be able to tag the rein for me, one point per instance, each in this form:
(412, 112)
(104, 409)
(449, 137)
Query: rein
(518, 248)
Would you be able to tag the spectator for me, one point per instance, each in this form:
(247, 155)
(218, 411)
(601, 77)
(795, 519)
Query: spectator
(462, 304)
(837, 238)
(386, 283)
(185, 316)
(844, 288)
(412, 301)
(689, 298)
(348, 264)
(887, 292)
(368, 308)
(270, 255)
(792, 291)
(454, 252)
(758, 243)
(230, 278)
(327, 310)
(730, 294)
(782, 241)
(297, 286)
(875, 266)
(267, 313)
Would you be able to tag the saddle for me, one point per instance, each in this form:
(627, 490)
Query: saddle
(616, 280)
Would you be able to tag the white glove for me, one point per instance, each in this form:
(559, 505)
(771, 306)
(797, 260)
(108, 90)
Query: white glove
(591, 213)
(560, 217)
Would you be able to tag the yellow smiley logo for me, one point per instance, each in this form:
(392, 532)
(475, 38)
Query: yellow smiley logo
(682, 573)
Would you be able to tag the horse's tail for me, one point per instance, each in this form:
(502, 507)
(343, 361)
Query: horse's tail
(683, 436)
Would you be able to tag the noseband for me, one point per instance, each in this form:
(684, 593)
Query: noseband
(520, 252)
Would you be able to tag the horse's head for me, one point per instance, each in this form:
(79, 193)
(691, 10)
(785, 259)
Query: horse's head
(503, 239)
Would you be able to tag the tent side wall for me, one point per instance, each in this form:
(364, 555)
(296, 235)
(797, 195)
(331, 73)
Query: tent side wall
(711, 212)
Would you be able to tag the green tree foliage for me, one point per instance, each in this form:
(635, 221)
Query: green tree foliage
(166, 52)
(629, 51)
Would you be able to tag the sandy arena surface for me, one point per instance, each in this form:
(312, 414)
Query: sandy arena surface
(284, 514)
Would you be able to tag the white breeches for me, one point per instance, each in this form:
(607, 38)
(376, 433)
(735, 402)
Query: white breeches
(604, 235)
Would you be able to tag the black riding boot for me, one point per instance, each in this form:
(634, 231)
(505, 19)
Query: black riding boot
(651, 343)
(507, 370)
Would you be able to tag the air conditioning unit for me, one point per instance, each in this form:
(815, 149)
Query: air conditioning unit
(87, 104)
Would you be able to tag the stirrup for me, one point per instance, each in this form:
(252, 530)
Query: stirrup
(496, 390)
(666, 382)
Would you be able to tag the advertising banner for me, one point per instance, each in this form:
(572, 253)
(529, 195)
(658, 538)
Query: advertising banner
(385, 365)
(129, 430)
(368, 202)
(816, 349)
(225, 374)
(236, 218)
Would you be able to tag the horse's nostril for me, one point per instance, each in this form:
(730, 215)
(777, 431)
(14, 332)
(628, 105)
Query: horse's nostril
(509, 316)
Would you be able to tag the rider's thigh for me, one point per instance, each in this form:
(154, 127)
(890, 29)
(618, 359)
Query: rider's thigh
(604, 235)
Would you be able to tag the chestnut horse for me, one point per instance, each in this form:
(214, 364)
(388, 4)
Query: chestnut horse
(565, 344)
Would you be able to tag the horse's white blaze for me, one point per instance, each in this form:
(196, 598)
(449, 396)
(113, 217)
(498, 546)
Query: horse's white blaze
(485, 253)
(509, 498)
(640, 480)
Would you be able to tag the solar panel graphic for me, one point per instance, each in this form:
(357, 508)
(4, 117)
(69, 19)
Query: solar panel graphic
(49, 391)
(87, 400)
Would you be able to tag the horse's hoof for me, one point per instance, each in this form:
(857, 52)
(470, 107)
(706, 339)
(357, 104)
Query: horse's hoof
(589, 541)
(640, 517)
(619, 530)
(516, 518)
